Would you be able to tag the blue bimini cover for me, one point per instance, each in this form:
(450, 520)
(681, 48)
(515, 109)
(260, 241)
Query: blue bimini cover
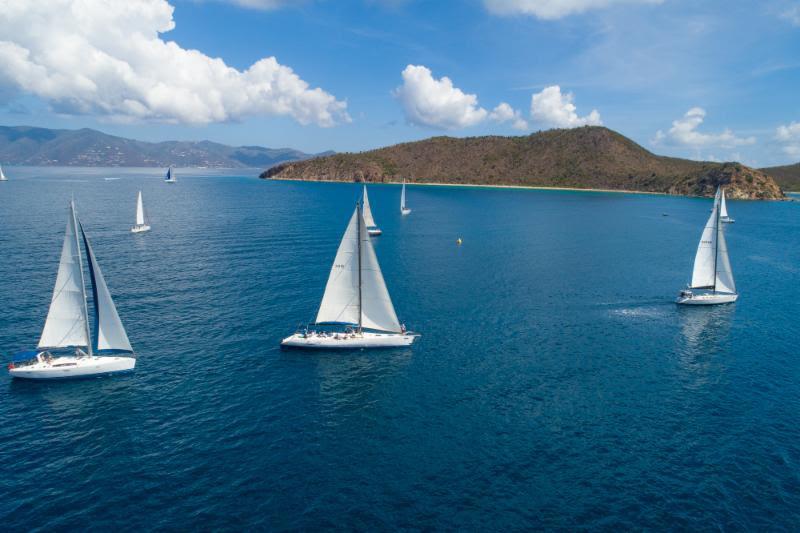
(24, 356)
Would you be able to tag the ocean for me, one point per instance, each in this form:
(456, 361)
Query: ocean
(555, 385)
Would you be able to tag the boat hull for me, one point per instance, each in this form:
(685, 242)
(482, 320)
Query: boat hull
(405, 211)
(343, 341)
(727, 220)
(74, 367)
(374, 232)
(707, 299)
(140, 229)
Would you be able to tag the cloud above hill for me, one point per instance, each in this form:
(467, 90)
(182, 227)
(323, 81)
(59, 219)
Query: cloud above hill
(684, 132)
(110, 59)
(553, 108)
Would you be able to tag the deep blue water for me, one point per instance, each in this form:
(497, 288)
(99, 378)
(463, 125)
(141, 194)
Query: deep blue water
(556, 383)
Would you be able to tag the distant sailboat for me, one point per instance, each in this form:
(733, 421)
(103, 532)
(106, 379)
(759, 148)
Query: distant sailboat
(372, 229)
(170, 177)
(2, 176)
(712, 275)
(67, 349)
(403, 209)
(723, 208)
(356, 299)
(140, 225)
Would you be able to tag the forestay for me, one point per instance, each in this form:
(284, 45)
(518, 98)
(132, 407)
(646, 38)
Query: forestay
(66, 323)
(111, 334)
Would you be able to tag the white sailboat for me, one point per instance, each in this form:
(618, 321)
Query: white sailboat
(140, 226)
(403, 209)
(723, 208)
(2, 176)
(356, 300)
(67, 348)
(170, 177)
(712, 277)
(372, 229)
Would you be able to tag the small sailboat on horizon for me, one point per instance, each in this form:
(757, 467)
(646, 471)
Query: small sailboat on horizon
(67, 348)
(2, 176)
(372, 229)
(723, 207)
(712, 276)
(356, 301)
(140, 226)
(403, 209)
(170, 177)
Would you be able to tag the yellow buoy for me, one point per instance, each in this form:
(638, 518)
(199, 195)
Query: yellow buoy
(458, 241)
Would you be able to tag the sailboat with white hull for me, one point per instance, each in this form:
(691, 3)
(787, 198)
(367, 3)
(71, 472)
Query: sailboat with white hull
(170, 177)
(67, 349)
(712, 277)
(356, 300)
(140, 226)
(403, 209)
(723, 208)
(2, 176)
(372, 229)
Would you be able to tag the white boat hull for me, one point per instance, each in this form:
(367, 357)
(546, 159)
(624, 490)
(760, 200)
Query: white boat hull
(374, 232)
(140, 229)
(342, 341)
(707, 299)
(74, 367)
(727, 220)
(405, 211)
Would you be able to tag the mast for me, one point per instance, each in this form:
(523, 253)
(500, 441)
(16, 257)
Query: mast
(360, 314)
(83, 281)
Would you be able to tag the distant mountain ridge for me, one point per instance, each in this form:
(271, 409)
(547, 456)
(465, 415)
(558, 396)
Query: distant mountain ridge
(788, 176)
(591, 157)
(25, 145)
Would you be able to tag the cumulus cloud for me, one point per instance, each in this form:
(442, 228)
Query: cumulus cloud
(505, 113)
(790, 137)
(553, 108)
(108, 58)
(553, 9)
(684, 133)
(436, 103)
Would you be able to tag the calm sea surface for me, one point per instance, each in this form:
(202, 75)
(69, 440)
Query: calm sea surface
(556, 384)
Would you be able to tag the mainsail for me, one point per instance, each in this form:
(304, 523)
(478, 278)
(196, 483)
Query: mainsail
(2, 176)
(723, 210)
(403, 197)
(139, 211)
(367, 211)
(712, 268)
(170, 176)
(110, 332)
(356, 292)
(67, 323)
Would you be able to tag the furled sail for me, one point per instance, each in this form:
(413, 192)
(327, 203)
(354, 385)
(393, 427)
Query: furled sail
(340, 301)
(139, 211)
(111, 334)
(66, 323)
(367, 211)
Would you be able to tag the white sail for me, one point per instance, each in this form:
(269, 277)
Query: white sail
(111, 334)
(703, 274)
(367, 211)
(377, 311)
(403, 197)
(340, 303)
(66, 323)
(725, 281)
(2, 176)
(139, 210)
(723, 209)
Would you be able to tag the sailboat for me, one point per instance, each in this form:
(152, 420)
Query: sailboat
(170, 177)
(140, 226)
(356, 300)
(67, 349)
(403, 209)
(2, 176)
(712, 276)
(723, 208)
(372, 229)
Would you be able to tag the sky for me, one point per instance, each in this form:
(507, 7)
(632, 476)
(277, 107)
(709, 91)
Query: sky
(702, 79)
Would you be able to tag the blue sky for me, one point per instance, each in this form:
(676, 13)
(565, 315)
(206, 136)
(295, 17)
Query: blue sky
(701, 79)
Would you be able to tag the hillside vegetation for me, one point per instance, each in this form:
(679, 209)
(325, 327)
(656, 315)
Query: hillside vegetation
(588, 157)
(787, 176)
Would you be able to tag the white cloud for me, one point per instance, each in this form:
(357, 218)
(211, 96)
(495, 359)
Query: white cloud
(260, 4)
(684, 132)
(555, 109)
(792, 14)
(505, 113)
(553, 9)
(436, 103)
(790, 137)
(108, 58)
